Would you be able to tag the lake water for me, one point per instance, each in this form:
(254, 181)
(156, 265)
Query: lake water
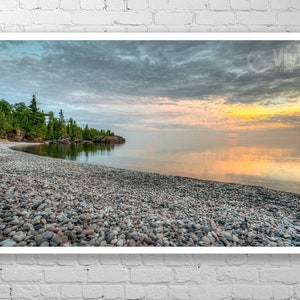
(262, 160)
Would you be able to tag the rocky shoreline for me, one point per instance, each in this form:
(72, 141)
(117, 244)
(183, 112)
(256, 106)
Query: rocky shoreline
(53, 202)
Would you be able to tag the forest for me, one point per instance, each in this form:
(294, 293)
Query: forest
(46, 126)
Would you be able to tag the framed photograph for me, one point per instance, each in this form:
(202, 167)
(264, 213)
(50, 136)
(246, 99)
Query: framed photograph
(150, 143)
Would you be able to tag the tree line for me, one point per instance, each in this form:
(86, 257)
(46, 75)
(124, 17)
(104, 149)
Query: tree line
(34, 122)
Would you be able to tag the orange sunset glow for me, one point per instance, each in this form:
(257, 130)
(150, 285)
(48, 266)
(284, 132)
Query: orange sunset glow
(216, 114)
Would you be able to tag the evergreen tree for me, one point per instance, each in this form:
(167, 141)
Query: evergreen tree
(62, 124)
(50, 126)
(33, 105)
(37, 120)
(21, 117)
(4, 124)
(32, 121)
(86, 134)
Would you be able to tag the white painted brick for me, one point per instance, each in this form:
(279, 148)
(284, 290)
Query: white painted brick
(131, 260)
(173, 18)
(240, 4)
(76, 28)
(178, 28)
(67, 260)
(156, 292)
(237, 275)
(116, 28)
(69, 4)
(115, 5)
(157, 28)
(49, 5)
(266, 28)
(256, 18)
(152, 275)
(257, 260)
(115, 274)
(153, 260)
(158, 4)
(71, 291)
(281, 275)
(92, 291)
(279, 260)
(214, 18)
(4, 291)
(51, 18)
(21, 274)
(197, 4)
(6, 259)
(50, 292)
(184, 275)
(134, 292)
(24, 291)
(236, 260)
(282, 292)
(25, 259)
(219, 4)
(65, 275)
(297, 292)
(212, 260)
(280, 4)
(110, 259)
(8, 5)
(37, 28)
(137, 4)
(132, 18)
(295, 4)
(10, 17)
(222, 292)
(92, 17)
(178, 292)
(201, 292)
(262, 292)
(259, 4)
(204, 274)
(242, 292)
(179, 260)
(295, 260)
(88, 260)
(113, 292)
(177, 4)
(220, 28)
(289, 18)
(238, 28)
(92, 4)
(29, 4)
(46, 260)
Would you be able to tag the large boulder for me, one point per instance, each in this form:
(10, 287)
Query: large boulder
(64, 140)
(115, 139)
(15, 135)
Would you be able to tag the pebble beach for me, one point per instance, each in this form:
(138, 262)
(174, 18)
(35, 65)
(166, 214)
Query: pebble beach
(52, 202)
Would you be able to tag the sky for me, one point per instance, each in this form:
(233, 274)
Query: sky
(227, 86)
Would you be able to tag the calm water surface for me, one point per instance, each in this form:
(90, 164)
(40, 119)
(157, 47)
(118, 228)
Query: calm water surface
(263, 160)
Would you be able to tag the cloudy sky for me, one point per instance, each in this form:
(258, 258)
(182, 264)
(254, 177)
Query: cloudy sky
(156, 85)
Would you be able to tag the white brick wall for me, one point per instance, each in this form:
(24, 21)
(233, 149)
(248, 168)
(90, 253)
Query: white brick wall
(190, 277)
(154, 277)
(150, 15)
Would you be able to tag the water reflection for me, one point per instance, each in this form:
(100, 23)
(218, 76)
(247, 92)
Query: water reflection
(75, 152)
(270, 160)
(257, 165)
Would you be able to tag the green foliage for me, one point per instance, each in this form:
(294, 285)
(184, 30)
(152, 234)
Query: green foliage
(4, 124)
(36, 123)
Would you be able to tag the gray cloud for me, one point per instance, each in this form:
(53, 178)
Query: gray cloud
(68, 73)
